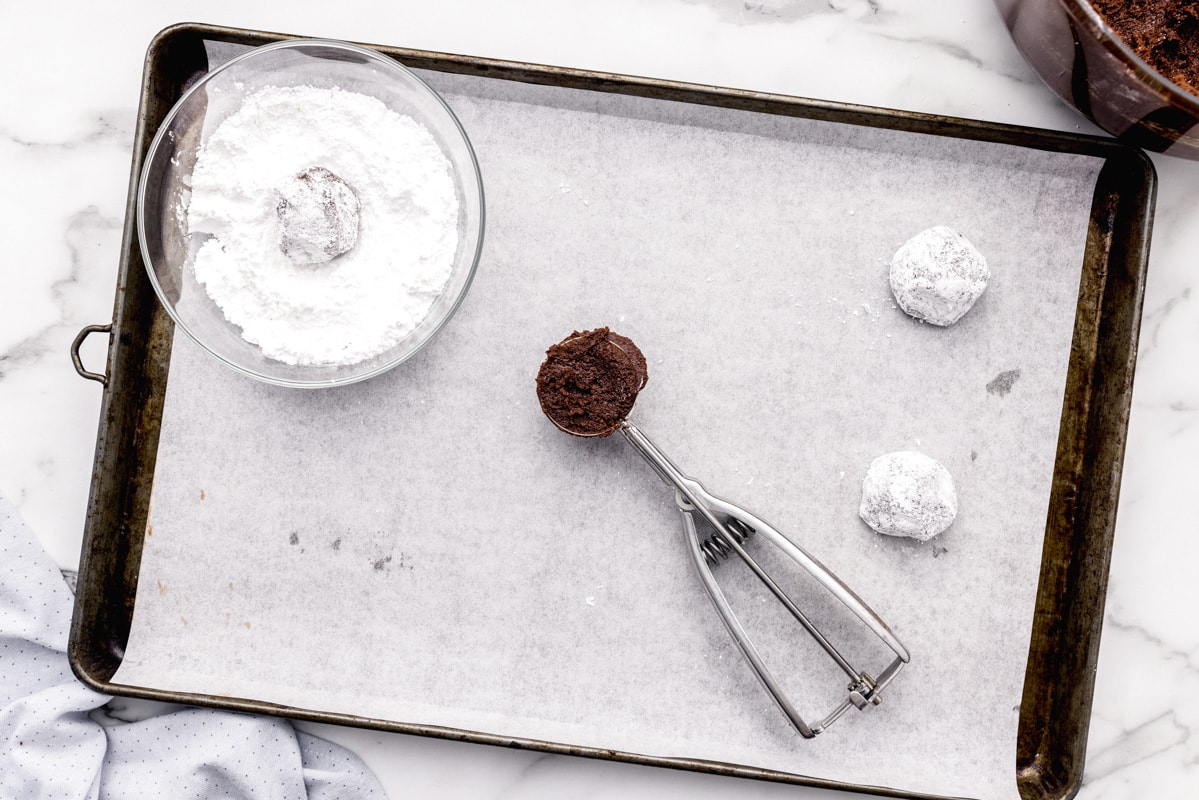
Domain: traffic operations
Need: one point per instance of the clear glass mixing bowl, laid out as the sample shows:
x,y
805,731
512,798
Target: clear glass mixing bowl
x,y
164,192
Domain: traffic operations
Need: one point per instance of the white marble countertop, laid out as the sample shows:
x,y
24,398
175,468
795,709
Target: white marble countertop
x,y
71,77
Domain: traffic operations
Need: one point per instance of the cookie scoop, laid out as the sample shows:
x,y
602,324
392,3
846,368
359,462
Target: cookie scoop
x,y
587,386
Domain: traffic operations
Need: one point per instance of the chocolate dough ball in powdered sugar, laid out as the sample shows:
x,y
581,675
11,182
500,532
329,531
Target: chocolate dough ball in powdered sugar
x,y
937,275
318,216
908,494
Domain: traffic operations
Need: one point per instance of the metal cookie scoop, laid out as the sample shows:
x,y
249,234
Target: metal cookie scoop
x,y
587,386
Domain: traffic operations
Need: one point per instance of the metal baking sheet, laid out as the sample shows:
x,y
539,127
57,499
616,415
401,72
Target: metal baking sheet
x,y
1097,349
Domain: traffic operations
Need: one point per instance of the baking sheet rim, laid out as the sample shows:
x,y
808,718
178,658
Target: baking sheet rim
x,y
1042,773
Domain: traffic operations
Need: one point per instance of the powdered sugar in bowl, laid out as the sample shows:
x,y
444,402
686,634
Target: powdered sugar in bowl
x,y
311,213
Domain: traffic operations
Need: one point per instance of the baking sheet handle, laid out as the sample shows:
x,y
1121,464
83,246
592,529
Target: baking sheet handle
x,y
77,360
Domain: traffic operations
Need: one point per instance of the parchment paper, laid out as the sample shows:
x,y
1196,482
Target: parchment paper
x,y
426,547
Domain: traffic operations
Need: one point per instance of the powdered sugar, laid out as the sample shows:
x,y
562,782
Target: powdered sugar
x,y
361,302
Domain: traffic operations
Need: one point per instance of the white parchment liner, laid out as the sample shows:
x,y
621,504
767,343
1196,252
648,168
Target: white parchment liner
x,y
426,547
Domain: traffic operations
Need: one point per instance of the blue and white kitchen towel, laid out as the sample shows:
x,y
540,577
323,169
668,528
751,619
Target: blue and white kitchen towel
x,y
58,743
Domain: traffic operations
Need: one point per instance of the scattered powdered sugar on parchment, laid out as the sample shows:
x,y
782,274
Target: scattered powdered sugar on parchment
x,y
363,301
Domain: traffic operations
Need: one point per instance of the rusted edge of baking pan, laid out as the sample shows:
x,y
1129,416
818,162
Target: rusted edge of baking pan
x,y
1060,677
1059,680
139,349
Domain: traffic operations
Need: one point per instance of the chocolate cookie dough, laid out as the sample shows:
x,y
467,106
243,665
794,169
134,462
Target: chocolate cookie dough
x,y
589,382
1164,33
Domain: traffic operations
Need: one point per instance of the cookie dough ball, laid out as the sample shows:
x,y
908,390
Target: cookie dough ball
x,y
318,216
590,380
908,494
937,275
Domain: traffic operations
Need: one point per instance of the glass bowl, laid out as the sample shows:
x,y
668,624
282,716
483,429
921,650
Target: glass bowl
x,y
169,249
1078,56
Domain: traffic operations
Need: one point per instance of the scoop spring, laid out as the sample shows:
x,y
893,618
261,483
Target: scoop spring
x,y
714,547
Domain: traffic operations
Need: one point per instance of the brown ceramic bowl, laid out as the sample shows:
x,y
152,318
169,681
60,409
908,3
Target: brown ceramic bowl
x,y
1082,60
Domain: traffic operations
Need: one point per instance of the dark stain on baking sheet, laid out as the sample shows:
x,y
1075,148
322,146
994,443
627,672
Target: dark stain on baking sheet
x,y
1002,383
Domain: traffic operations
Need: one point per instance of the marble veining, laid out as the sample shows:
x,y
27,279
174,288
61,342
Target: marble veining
x,y
1152,320
105,129
66,127
1139,744
784,11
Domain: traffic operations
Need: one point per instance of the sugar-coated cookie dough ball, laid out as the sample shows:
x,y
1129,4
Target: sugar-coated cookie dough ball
x,y
937,275
318,216
908,494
